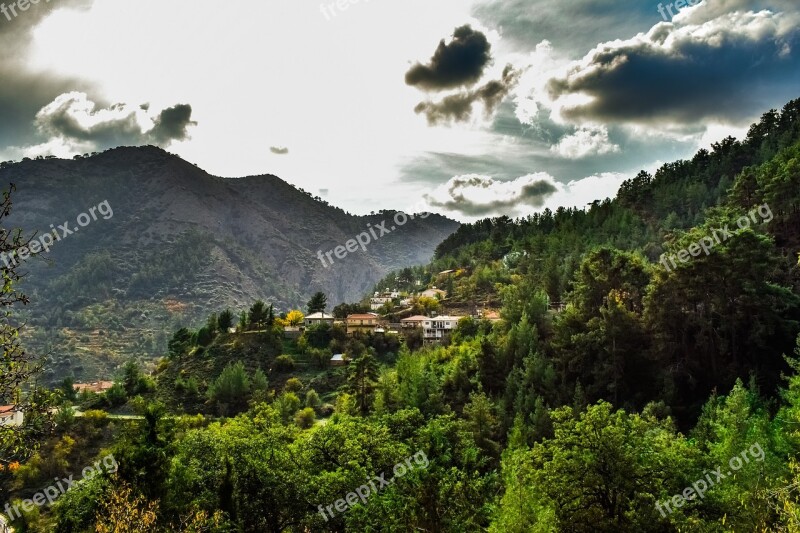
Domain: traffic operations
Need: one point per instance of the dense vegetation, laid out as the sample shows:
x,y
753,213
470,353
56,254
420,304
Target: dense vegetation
x,y
663,397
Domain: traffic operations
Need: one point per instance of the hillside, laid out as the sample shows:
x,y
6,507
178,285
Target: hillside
x,y
625,311
169,243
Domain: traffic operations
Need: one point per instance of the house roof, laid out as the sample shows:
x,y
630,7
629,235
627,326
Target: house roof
x,y
7,409
320,316
97,386
445,317
433,291
416,318
361,316
338,357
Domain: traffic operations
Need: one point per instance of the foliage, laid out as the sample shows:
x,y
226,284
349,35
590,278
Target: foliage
x,y
231,389
317,304
284,363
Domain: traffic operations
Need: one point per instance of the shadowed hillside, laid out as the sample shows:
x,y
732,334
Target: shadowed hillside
x,y
179,244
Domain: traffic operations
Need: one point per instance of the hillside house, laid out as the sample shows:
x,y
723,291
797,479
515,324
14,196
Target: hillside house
x,y
413,322
96,387
491,316
439,328
362,323
319,318
10,416
379,299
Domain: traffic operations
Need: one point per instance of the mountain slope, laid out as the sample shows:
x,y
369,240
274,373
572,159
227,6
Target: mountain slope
x,y
180,244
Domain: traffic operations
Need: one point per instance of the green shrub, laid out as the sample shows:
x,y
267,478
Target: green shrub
x,y
293,385
96,417
305,418
284,363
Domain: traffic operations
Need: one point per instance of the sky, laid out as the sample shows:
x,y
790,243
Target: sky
x,y
469,108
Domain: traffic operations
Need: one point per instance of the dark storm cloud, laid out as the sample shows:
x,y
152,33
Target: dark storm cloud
x,y
279,150
22,91
172,124
456,64
458,107
729,68
73,119
40,107
495,196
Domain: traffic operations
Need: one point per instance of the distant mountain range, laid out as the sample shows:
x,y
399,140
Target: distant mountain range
x,y
168,243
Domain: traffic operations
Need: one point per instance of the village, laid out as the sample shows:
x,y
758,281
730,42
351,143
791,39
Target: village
x,y
383,319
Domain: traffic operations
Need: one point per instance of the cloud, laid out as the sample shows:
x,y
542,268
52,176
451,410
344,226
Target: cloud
x,y
573,26
586,141
724,66
279,150
457,64
23,90
580,193
172,124
73,123
46,113
458,107
474,195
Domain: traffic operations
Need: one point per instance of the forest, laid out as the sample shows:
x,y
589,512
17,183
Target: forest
x,y
615,393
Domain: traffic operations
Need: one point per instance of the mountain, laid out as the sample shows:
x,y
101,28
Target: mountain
x,y
168,243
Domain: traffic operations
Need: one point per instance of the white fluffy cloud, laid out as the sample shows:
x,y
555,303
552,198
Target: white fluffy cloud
x,y
474,196
586,141
73,123
477,196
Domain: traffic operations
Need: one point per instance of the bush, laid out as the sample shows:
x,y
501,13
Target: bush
x,y
205,336
293,385
318,336
312,399
284,363
288,404
116,395
65,417
96,417
231,389
305,418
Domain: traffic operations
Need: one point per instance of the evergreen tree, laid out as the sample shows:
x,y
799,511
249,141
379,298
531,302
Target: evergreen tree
x,y
317,303
225,321
258,316
180,344
362,378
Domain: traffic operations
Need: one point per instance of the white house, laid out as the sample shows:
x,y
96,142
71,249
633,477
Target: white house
x,y
439,328
413,321
319,318
10,416
378,299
